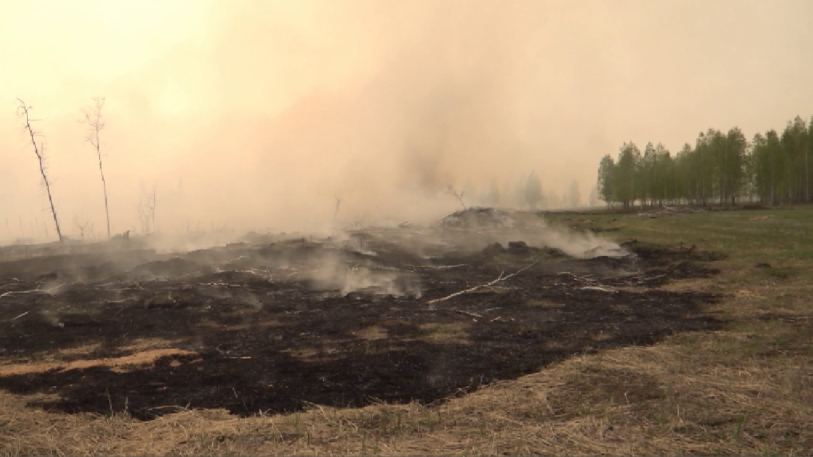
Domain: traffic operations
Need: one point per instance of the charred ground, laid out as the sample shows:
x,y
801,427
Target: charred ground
x,y
273,326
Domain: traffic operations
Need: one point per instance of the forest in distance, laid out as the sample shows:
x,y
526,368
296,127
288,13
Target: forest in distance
x,y
722,168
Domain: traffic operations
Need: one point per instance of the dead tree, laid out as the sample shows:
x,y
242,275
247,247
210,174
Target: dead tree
x,y
39,150
146,212
93,119
84,227
152,207
336,211
458,196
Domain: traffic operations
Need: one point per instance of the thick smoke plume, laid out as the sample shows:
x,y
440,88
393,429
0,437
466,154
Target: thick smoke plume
x,y
258,115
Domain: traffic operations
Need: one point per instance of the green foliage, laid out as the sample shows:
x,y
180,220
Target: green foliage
x,y
627,174
721,168
604,187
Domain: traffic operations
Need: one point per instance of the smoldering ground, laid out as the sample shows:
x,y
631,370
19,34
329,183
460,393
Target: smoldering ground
x,y
365,317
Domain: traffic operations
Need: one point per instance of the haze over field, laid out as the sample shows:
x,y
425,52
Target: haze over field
x,y
259,114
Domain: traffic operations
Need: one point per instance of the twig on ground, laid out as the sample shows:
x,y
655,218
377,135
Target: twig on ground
x,y
499,279
33,291
468,313
448,267
18,316
600,289
576,277
651,278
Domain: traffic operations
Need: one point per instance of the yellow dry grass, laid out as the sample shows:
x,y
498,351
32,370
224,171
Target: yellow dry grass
x,y
689,395
118,364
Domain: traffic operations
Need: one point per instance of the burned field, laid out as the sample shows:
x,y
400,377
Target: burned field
x,y
389,314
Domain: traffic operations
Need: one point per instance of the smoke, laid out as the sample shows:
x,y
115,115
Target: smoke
x,y
257,115
336,273
433,108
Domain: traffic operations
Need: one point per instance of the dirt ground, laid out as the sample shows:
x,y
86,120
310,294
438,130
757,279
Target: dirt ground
x,y
267,326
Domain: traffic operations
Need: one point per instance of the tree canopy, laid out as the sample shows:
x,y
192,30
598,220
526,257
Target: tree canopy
x,y
721,168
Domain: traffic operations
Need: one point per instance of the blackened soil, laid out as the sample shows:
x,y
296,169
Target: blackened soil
x,y
274,327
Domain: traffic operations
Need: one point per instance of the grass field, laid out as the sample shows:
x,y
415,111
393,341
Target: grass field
x,y
744,390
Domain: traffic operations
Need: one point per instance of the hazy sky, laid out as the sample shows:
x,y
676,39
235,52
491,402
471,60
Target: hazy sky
x,y
260,113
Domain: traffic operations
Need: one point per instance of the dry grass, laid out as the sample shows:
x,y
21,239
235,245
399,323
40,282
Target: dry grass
x,y
746,390
117,364
455,333
690,395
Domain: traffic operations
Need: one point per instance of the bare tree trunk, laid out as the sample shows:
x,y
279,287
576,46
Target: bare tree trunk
x,y
93,118
104,190
23,111
807,176
152,208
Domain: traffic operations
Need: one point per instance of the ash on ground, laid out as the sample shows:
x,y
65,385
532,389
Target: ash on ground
x,y
391,314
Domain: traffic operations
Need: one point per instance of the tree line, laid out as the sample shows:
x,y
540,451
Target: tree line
x,y
525,192
721,168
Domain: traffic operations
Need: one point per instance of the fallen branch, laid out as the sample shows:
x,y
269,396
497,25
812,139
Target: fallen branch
x,y
499,279
576,277
18,316
33,291
600,289
263,274
652,278
468,313
447,267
